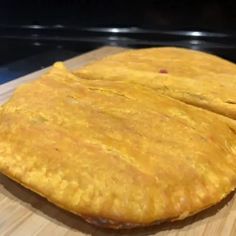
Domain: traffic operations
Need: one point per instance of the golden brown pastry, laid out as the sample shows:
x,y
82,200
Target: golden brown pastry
x,y
119,156
193,77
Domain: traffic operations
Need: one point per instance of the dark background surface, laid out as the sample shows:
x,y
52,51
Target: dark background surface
x,y
172,14
34,34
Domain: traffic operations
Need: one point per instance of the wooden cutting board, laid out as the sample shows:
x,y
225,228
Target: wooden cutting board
x,y
23,212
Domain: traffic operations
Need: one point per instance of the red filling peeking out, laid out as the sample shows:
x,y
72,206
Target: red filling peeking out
x,y
163,71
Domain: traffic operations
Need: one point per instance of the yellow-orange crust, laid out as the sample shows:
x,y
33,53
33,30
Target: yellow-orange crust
x,y
193,77
118,155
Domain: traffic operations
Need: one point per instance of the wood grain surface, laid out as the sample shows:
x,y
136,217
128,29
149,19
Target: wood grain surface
x,y
23,212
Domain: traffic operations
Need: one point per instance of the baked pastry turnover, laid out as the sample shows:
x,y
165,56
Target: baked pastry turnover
x,y
190,76
115,152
